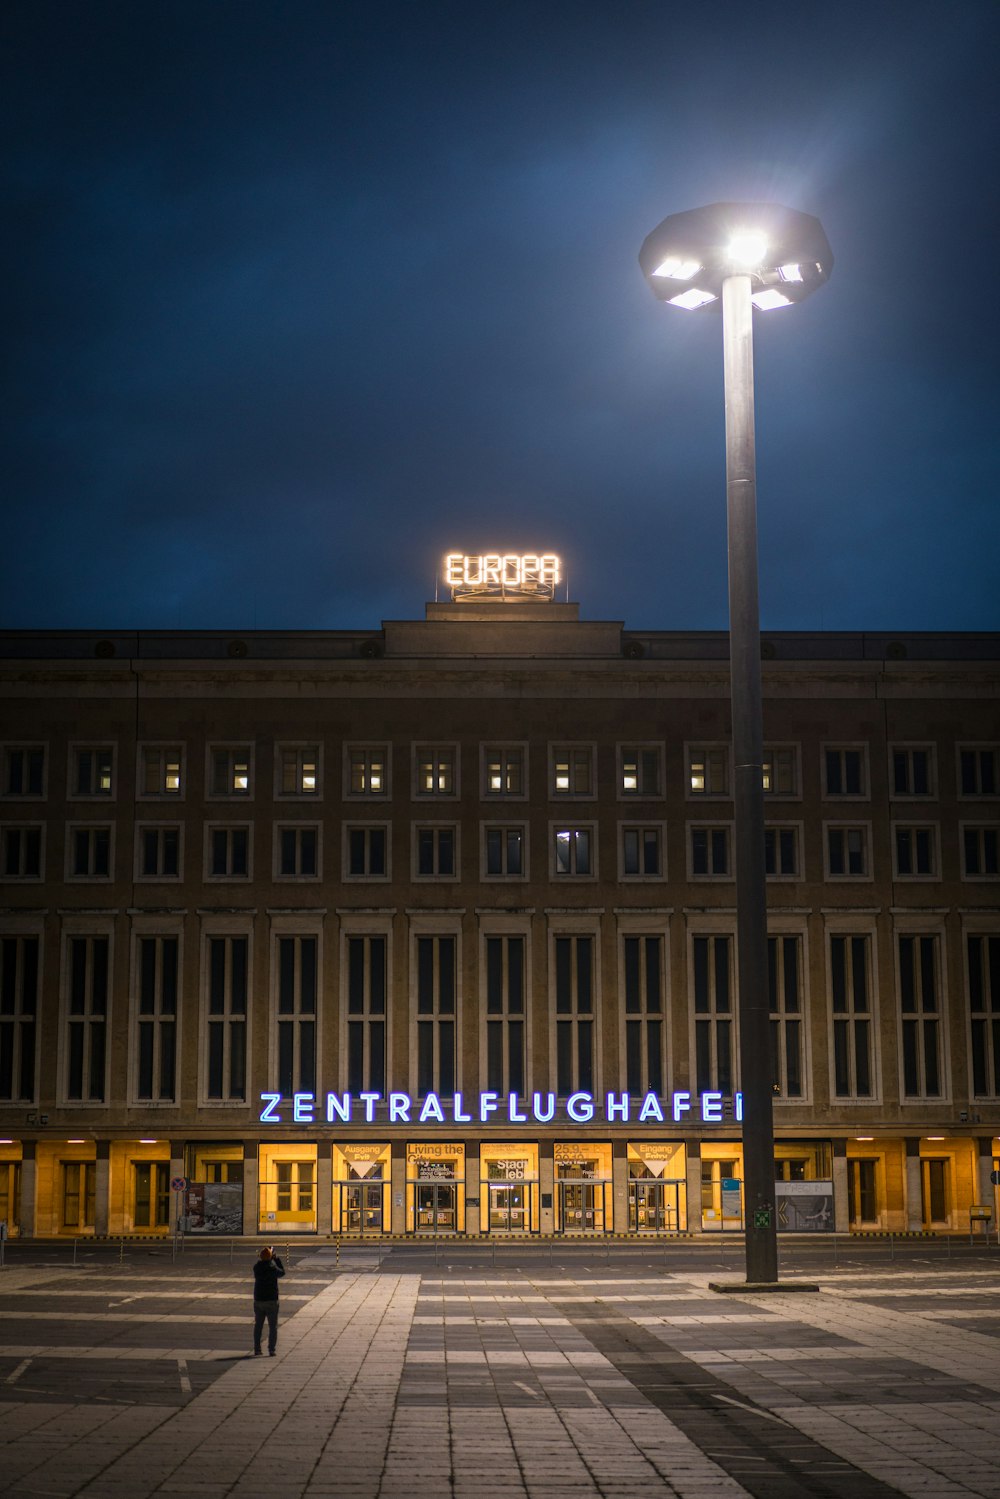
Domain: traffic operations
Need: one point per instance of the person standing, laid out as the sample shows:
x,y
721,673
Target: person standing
x,y
266,1273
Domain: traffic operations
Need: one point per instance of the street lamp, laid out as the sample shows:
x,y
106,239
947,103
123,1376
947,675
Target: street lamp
x,y
744,255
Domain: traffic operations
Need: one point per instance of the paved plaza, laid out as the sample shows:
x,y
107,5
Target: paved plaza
x,y
557,1371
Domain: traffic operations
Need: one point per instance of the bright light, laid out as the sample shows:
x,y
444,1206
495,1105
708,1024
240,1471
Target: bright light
x,y
692,299
748,247
766,300
790,272
149,1142
677,269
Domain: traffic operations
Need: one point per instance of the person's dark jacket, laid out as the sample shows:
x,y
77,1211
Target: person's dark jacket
x,y
266,1274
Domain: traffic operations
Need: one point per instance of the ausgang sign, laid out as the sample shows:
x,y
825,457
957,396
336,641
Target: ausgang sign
x,y
531,574
500,1108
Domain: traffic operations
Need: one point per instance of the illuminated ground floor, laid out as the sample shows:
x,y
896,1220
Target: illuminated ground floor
x,y
588,1184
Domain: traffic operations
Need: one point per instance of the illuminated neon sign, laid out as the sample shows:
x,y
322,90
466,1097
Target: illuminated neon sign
x,y
496,1108
534,574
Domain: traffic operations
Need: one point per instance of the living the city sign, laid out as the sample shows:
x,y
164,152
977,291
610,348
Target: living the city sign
x,y
501,1108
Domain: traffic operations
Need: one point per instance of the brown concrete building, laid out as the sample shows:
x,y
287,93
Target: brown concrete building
x,y
431,928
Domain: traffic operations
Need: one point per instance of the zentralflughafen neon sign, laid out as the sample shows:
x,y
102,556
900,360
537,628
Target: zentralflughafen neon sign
x,y
498,1108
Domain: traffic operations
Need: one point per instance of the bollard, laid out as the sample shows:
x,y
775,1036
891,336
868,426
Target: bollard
x,y
121,1250
74,1251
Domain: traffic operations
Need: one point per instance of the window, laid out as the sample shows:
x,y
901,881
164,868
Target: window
x,y
297,851
437,770
87,1018
847,851
18,1017
642,958
23,770
784,979
367,852
436,993
89,851
505,851
366,1019
505,1015
156,1019
916,851
575,1038
708,770
161,770
781,770
983,977
980,851
709,851
435,849
572,851
367,770
920,1007
850,990
714,1036
912,770
297,991
978,766
79,1193
298,770
159,852
572,770
504,770
845,770
21,851
781,851
642,852
641,770
226,1050
228,852
92,770
231,769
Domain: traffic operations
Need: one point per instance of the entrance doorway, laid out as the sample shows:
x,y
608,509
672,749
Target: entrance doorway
x,y
581,1206
934,1191
152,1194
509,1209
362,1208
436,1208
653,1206
79,1194
721,1195
10,1195
862,1192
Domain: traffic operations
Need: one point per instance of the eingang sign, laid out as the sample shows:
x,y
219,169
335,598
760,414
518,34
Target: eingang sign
x,y
495,1108
503,574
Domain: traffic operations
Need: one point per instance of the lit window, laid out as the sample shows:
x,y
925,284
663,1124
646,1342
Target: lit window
x,y
572,770
93,770
161,770
230,770
640,770
572,849
708,770
781,770
368,774
299,769
504,766
436,770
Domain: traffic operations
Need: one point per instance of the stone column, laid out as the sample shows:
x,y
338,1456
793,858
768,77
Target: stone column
x,y
693,1154
546,1189
102,1190
29,1190
988,1193
475,1215
250,1187
912,1186
324,1188
619,1187
841,1196
397,1172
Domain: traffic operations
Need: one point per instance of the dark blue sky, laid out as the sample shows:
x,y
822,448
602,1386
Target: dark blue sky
x,y
300,296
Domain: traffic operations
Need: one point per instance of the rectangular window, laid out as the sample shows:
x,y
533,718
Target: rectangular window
x,y
781,770
575,1007
505,1015
980,852
781,851
846,852
18,1017
912,770
504,772
89,852
710,852
159,852
297,986
298,770
644,1013
21,851
366,1014
708,770
161,770
845,771
437,766
228,986
915,850
229,853
505,851
642,853
850,990
436,1004
156,1014
93,770
784,978
572,851
920,1006
231,770
641,774
715,1060
87,1018
983,977
978,767
435,852
367,852
23,770
572,770
298,852
367,770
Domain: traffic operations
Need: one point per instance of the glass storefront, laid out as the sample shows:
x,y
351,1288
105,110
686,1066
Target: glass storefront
x,y
509,1189
213,1201
722,1187
435,1188
583,1188
361,1189
10,1194
286,1191
657,1187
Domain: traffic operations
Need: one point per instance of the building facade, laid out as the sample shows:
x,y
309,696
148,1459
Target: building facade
x,y
431,929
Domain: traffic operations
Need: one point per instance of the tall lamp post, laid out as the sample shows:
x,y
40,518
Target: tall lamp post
x,y
744,255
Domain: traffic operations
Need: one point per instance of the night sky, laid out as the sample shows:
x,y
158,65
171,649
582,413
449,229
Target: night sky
x,y
300,296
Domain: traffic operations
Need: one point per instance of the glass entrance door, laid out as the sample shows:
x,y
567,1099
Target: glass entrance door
x,y
509,1212
862,1192
580,1207
653,1207
934,1181
152,1194
435,1208
79,1191
362,1208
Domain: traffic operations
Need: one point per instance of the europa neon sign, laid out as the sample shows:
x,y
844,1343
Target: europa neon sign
x,y
533,573
501,1108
